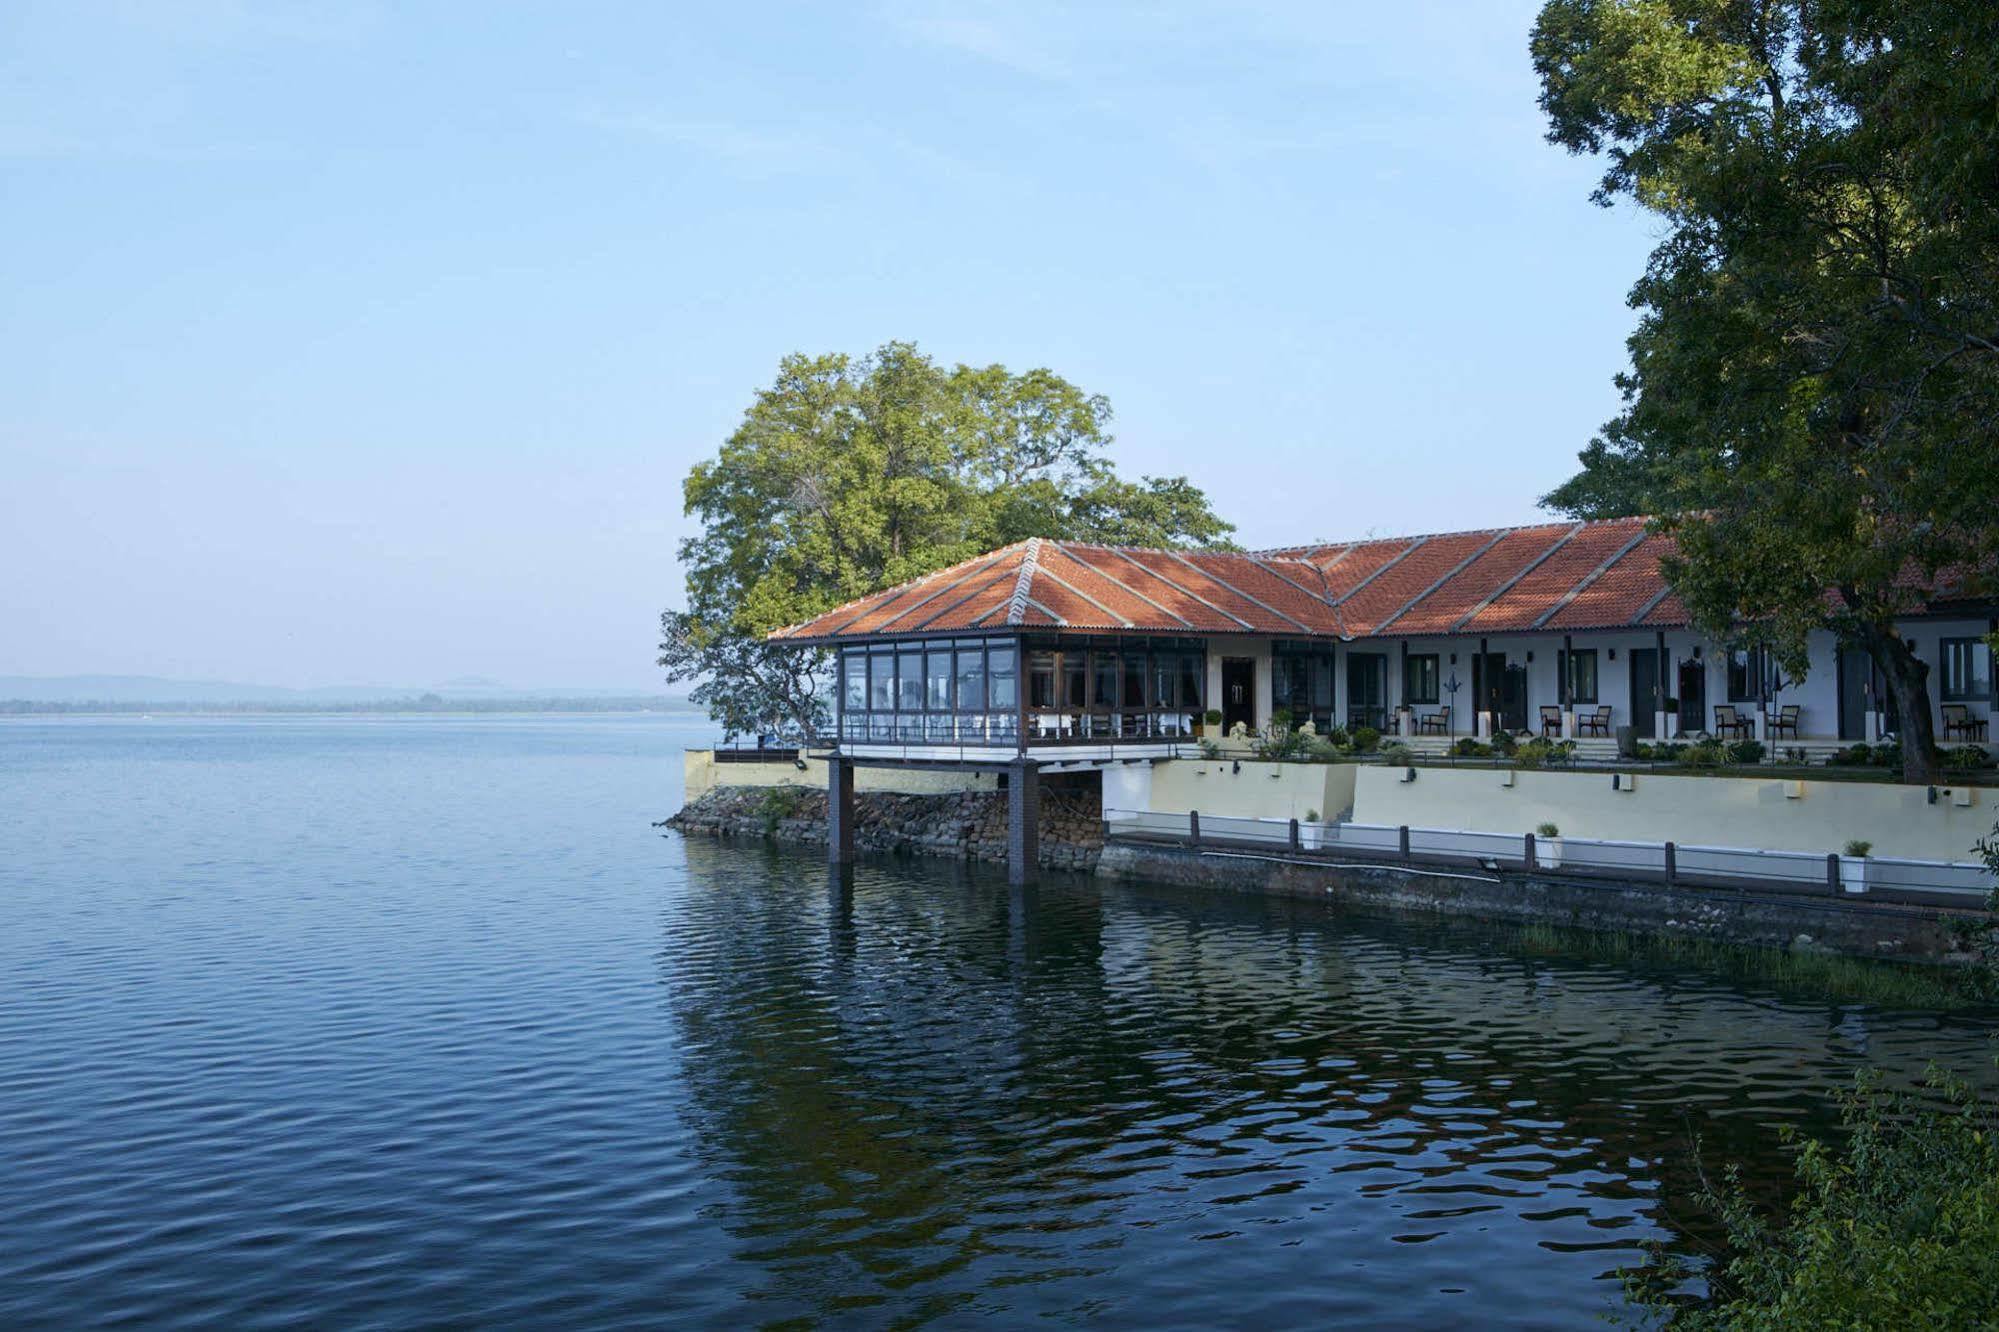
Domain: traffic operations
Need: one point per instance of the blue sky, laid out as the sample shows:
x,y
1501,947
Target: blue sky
x,y
350,344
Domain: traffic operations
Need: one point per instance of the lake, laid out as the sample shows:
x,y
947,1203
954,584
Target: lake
x,y
419,1021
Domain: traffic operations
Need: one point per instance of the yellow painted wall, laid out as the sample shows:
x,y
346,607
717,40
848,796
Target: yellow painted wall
x,y
1694,811
1258,790
702,774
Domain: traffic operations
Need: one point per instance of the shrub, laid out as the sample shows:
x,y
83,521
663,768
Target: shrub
x,y
1365,738
1708,753
1338,737
1318,749
1859,847
1641,750
1470,748
1853,756
1966,758
1209,748
1895,1227
1504,743
779,803
1746,751
1540,751
1796,754
1887,755
1397,752
1548,830
1311,816
1212,717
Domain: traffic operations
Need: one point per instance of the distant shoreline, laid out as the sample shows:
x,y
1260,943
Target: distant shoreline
x,y
379,707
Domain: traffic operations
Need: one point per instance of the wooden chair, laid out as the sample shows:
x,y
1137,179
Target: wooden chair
x,y
1786,721
1726,722
1551,719
1959,724
1438,722
1597,723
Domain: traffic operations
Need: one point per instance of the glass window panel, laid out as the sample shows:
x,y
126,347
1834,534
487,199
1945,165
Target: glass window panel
x,y
1002,678
937,670
1162,681
854,691
1967,670
971,679
1041,680
1075,679
1104,690
1134,680
881,682
909,681
1419,678
1191,671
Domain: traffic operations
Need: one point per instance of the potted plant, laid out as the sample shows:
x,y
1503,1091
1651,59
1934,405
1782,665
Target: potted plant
x,y
1311,832
1548,846
1853,865
1212,718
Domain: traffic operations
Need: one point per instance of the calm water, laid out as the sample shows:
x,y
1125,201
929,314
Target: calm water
x,y
360,1021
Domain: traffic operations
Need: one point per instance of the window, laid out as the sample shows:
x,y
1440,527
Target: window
x,y
1104,672
1162,680
881,681
1577,670
909,680
972,679
1191,680
937,671
854,682
1967,670
1134,680
1747,674
1002,678
1419,678
1041,680
1075,678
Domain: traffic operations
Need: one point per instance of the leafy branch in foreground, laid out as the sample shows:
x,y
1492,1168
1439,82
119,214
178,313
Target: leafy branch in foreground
x,y
1898,1227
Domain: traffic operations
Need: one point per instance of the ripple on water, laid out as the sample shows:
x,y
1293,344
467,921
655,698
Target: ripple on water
x,y
343,1022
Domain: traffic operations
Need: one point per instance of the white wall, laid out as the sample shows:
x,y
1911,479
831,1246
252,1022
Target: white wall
x,y
702,773
1695,811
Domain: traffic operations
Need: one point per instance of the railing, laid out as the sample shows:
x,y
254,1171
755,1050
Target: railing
x,y
1935,882
1111,749
755,753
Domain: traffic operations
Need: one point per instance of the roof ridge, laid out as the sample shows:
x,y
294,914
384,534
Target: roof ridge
x,y
1016,606
1283,552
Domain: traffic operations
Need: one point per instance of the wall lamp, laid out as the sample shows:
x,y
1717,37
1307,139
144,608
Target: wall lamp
x,y
1613,654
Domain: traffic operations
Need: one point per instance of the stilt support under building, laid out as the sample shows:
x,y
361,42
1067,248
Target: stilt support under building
x,y
1023,820
839,811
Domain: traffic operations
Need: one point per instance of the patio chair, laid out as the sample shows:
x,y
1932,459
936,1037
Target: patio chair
x,y
1727,722
1959,724
1786,721
1551,719
1434,723
1596,723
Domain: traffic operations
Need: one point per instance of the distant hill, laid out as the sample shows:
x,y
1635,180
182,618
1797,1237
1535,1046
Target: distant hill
x,y
117,692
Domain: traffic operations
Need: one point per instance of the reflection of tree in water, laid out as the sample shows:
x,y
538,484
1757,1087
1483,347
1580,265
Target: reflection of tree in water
x,y
926,1087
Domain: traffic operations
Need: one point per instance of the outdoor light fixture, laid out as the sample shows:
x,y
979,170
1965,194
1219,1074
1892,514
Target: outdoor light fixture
x,y
1530,658
1613,654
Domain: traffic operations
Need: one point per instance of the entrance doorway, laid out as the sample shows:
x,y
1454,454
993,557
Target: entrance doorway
x,y
1499,688
1367,690
1693,697
1238,692
1645,692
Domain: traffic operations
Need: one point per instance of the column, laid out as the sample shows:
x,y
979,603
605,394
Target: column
x,y
839,811
1023,820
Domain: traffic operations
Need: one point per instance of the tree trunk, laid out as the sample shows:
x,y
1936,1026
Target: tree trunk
x,y
1909,677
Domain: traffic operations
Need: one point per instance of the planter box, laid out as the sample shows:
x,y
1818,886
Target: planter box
x,y
1853,873
1548,852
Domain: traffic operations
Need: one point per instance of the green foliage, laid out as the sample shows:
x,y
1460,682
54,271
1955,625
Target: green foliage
x,y
1859,847
778,804
1543,752
1280,740
1966,758
1815,374
1746,751
1397,752
1365,738
1212,717
1338,738
1706,753
1547,830
1210,749
1895,1227
846,476
1467,747
1505,743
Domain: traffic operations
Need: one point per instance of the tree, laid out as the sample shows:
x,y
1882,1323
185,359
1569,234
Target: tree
x,y
848,476
1813,405
1898,1227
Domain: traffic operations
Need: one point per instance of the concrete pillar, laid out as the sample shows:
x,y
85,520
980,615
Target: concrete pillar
x,y
1023,820
839,811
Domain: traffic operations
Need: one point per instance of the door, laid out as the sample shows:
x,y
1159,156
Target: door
x,y
1693,696
1645,692
1238,692
1367,689
1856,669
1493,688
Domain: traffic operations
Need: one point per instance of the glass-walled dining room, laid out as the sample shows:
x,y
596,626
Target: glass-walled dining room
x,y
969,691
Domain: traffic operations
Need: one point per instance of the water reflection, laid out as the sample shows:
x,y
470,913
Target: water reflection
x,y
934,1094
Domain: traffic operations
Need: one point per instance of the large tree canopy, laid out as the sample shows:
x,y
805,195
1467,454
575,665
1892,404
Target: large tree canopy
x,y
1813,403
847,476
